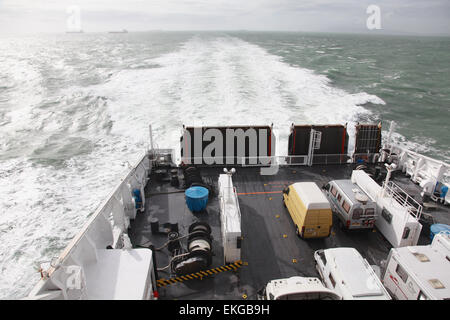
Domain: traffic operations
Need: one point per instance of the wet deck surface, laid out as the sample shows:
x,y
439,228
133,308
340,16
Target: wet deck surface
x,y
270,246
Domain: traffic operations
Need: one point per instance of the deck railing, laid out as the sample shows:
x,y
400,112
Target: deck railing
x,y
404,199
286,160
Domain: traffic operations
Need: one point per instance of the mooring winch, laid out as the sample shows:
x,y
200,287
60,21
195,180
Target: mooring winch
x,y
199,250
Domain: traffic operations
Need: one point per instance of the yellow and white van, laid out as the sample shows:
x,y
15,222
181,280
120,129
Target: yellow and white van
x,y
309,209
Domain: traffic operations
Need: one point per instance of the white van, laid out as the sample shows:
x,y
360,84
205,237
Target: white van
x,y
297,288
352,206
346,272
420,272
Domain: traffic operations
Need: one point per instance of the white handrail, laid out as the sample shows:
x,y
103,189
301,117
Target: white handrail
x,y
338,158
404,199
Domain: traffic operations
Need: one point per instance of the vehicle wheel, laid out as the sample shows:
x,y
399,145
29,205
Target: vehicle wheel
x,y
284,203
341,225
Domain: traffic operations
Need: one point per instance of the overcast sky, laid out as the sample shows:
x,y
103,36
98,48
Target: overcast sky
x,y
397,16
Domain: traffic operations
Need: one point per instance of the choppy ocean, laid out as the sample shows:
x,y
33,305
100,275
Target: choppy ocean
x,y
74,108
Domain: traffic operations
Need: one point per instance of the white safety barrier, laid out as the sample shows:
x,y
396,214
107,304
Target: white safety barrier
x,y
230,216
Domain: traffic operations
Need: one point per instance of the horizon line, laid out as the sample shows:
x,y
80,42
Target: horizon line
x,y
369,32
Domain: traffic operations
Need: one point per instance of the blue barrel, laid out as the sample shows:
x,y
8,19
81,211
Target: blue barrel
x,y
438,227
137,198
196,198
444,191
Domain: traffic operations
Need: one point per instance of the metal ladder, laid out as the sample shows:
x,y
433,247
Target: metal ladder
x,y
315,138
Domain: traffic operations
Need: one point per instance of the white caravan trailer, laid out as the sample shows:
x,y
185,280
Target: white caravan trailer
x,y
345,271
297,288
420,272
398,213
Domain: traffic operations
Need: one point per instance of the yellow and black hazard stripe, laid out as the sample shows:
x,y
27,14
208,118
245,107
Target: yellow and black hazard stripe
x,y
200,275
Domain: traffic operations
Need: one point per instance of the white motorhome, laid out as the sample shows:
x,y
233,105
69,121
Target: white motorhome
x,y
346,272
297,288
420,272
351,205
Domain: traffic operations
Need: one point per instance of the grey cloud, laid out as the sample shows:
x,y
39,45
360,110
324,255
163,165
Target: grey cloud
x,y
430,17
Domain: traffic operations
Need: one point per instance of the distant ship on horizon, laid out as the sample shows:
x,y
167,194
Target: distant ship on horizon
x,y
75,31
122,31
